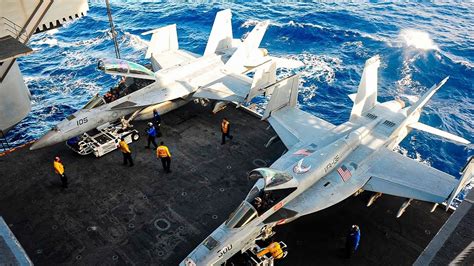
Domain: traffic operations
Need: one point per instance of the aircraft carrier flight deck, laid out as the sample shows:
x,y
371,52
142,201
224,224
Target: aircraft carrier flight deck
x,y
115,215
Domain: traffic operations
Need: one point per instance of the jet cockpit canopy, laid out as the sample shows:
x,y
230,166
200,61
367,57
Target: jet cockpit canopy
x,y
273,179
124,68
243,215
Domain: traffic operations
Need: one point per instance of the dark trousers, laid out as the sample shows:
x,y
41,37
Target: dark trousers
x,y
63,180
166,162
224,135
127,157
350,249
151,139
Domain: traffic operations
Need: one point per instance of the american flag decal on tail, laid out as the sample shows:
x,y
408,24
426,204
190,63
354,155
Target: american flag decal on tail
x,y
344,172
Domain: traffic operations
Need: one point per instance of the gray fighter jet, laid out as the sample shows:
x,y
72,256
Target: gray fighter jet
x,y
325,164
220,74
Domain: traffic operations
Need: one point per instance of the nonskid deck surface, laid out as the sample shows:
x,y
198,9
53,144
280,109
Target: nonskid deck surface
x,y
114,214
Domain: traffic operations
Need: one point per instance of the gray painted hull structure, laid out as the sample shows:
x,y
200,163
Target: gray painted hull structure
x,y
20,19
326,164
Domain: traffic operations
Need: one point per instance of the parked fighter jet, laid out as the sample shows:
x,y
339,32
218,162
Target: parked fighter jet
x,y
180,76
325,164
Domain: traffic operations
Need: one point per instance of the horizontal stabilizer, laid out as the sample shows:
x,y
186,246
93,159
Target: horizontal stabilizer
x,y
466,177
438,132
366,97
426,97
221,33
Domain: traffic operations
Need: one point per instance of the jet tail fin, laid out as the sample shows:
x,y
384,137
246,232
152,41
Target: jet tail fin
x,y
426,97
466,177
248,50
284,94
438,132
163,39
221,33
366,97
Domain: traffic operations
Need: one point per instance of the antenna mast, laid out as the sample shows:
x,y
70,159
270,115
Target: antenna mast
x,y
112,30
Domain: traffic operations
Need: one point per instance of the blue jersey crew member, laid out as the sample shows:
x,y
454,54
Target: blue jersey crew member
x,y
151,131
352,241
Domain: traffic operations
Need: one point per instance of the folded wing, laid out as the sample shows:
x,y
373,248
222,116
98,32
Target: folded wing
x,y
163,48
290,123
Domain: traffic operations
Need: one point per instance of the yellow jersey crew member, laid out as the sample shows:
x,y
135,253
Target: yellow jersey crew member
x,y
225,129
275,249
163,153
59,169
127,154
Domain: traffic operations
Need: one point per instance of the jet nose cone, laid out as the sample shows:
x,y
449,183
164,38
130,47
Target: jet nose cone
x,y
44,141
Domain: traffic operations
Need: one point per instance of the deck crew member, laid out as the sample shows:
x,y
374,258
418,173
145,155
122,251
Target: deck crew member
x,y
225,129
352,241
275,249
157,122
163,153
127,154
151,131
59,169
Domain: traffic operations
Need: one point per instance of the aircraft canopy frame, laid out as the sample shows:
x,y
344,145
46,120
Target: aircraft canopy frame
x,y
273,179
243,215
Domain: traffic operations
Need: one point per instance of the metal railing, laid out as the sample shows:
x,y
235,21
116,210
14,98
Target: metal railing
x,y
15,30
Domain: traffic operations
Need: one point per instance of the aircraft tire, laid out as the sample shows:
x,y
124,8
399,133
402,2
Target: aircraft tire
x,y
135,136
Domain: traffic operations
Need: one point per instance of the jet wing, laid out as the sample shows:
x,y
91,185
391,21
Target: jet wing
x,y
170,59
231,87
293,125
394,174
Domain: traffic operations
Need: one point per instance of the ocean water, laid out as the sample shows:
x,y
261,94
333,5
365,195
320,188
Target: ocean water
x,y
419,45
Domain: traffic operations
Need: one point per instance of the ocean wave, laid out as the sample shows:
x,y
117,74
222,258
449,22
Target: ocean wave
x,y
45,41
319,67
417,39
135,41
252,22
